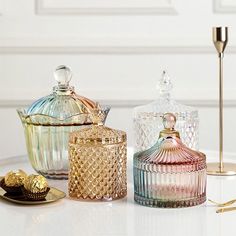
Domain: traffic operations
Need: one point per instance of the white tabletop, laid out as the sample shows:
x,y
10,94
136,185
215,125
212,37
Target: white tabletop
x,y
120,217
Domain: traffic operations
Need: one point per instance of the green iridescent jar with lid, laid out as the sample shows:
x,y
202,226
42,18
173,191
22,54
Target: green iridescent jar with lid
x,y
49,121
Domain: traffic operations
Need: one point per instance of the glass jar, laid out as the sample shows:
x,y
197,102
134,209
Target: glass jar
x,y
97,157
48,122
148,121
169,174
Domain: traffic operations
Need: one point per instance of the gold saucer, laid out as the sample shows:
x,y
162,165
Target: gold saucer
x,y
227,170
52,196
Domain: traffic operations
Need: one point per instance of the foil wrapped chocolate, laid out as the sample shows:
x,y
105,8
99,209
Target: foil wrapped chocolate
x,y
36,184
15,179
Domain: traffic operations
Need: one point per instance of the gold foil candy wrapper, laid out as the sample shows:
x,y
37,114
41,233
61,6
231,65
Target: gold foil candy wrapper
x,y
36,184
15,179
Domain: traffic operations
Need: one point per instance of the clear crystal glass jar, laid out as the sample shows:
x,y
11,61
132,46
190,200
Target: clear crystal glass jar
x,y
48,122
148,121
98,157
169,174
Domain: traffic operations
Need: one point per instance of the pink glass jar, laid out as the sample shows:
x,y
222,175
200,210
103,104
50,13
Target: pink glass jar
x,y
169,174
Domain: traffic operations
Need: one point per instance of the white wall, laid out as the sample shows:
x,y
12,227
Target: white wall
x,y
117,50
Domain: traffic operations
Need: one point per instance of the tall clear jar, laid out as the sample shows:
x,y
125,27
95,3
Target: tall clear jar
x,y
49,121
148,119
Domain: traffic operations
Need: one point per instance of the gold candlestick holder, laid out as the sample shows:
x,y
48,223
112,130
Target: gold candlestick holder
x,y
220,39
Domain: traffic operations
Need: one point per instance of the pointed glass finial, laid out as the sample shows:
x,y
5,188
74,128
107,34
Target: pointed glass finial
x,y
164,85
63,76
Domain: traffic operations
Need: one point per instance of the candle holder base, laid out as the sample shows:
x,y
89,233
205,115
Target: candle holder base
x,y
228,169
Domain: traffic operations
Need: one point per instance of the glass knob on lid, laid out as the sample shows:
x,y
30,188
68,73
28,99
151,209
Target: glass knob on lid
x,y
63,76
169,121
98,116
164,85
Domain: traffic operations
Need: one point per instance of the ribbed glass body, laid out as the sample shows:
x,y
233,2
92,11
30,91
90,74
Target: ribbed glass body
x,y
148,121
97,157
47,148
169,174
48,122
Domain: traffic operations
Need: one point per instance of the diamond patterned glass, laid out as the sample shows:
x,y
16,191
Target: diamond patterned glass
x,y
97,157
148,121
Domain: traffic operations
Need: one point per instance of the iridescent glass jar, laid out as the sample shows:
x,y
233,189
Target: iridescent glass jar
x,y
48,122
98,157
169,174
148,121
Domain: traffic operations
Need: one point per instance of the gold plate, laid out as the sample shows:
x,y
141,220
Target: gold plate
x,y
52,196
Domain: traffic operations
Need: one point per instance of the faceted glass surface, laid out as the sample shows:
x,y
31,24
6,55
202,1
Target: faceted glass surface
x,y
169,174
98,173
98,158
148,121
148,125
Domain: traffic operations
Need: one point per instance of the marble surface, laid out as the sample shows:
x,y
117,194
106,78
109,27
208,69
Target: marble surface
x,y
120,217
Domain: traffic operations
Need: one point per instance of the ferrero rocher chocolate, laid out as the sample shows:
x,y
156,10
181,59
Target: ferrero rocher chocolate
x,y
36,184
15,179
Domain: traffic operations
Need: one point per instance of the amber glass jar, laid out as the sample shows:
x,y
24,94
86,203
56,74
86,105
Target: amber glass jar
x,y
97,163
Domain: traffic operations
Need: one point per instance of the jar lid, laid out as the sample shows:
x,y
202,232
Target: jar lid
x,y
63,105
165,103
97,133
63,102
169,150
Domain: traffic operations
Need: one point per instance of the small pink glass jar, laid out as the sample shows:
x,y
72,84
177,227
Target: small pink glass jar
x,y
169,174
